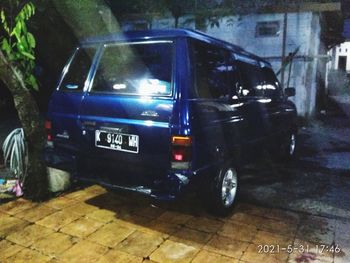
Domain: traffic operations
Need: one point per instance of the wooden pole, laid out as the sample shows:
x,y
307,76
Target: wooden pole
x,y
284,40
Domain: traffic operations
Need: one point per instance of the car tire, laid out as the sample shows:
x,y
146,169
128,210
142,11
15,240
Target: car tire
x,y
223,192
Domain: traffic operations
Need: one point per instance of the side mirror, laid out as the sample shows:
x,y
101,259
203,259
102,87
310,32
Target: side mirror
x,y
289,92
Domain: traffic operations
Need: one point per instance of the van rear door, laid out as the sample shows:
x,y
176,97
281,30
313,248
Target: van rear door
x,y
65,103
125,116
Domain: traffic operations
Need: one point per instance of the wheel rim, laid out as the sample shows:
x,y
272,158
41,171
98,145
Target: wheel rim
x,y
229,187
292,144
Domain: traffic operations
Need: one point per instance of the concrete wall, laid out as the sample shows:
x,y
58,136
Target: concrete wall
x,y
303,32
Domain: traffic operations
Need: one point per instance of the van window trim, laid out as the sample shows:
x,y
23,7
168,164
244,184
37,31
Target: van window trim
x,y
103,46
68,64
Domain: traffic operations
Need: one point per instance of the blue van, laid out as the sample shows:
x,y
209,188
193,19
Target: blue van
x,y
159,111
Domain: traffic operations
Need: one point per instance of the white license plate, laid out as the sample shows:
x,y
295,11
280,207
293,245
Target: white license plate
x,y
117,141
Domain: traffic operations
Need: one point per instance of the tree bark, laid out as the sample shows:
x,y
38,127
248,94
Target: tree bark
x,y
36,182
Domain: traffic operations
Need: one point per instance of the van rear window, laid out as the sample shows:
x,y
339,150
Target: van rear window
x,y
135,69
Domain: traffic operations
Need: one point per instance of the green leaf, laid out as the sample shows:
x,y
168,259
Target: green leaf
x,y
28,8
17,30
28,55
24,28
4,22
33,8
31,40
33,82
2,15
6,46
20,47
11,57
24,43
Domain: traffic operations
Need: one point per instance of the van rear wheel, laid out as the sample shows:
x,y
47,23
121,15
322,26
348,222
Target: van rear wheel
x,y
224,190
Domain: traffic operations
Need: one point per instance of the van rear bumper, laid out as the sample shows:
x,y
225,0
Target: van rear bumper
x,y
168,188
156,193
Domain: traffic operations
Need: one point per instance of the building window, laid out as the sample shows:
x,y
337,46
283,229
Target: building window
x,y
267,29
339,50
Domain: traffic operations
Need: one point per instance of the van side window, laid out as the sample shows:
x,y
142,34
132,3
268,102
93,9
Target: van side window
x,y
74,79
272,86
211,71
252,80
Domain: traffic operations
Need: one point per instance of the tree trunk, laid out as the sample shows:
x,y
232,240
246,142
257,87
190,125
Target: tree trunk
x,y
36,182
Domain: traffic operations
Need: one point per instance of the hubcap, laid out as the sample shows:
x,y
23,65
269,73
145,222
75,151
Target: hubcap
x,y
229,187
292,144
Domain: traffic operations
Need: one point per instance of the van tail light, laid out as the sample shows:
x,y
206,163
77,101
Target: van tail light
x,y
48,129
181,152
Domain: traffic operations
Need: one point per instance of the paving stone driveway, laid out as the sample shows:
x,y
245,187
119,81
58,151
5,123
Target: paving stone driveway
x,y
93,225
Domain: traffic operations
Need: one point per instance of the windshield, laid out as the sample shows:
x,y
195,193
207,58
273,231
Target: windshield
x,y
135,69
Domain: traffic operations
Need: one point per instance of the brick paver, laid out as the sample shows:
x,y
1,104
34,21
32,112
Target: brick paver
x,y
102,215
55,244
191,237
205,256
58,220
94,225
84,251
171,251
111,234
36,213
26,236
16,206
238,230
140,244
27,256
10,224
8,249
82,227
114,255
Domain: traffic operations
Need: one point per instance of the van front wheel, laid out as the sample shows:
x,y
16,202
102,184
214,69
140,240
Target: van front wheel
x,y
224,191
289,147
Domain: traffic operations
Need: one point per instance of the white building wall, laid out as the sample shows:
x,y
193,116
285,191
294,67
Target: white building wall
x,y
342,50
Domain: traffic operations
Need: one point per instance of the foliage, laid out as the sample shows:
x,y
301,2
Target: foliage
x,y
18,43
15,152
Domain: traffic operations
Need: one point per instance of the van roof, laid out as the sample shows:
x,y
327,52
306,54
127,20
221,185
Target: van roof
x,y
174,33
